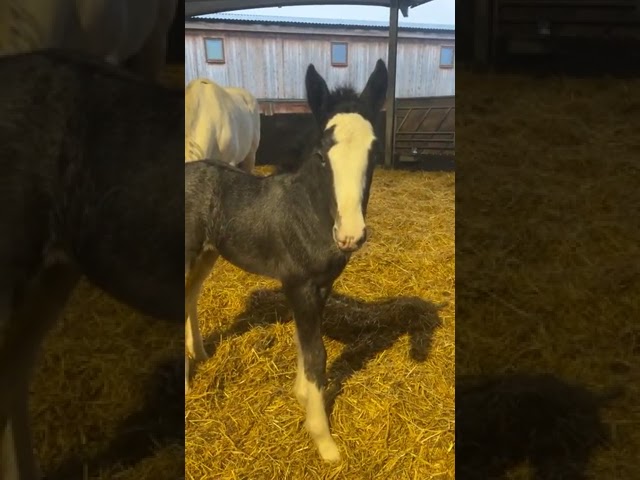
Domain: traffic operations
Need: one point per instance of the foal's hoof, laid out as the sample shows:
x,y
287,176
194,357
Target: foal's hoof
x,y
329,450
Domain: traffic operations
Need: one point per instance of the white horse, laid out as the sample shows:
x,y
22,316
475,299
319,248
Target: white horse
x,y
114,30
221,123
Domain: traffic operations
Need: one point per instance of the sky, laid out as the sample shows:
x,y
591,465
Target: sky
x,y
436,11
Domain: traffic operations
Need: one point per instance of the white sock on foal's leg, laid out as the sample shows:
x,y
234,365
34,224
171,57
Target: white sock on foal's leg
x,y
300,388
195,345
317,423
186,373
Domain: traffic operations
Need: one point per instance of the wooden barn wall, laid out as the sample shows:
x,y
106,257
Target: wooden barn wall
x,y
273,66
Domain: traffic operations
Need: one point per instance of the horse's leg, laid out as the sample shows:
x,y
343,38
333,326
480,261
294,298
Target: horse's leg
x,y
307,301
195,279
249,163
196,276
300,388
24,332
186,373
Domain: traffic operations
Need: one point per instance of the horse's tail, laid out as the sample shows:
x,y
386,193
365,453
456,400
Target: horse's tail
x,y
194,151
255,109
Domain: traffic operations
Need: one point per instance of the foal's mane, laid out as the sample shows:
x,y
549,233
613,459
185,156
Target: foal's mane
x,y
341,99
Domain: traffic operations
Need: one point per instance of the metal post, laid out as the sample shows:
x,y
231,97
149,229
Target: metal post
x,y
391,91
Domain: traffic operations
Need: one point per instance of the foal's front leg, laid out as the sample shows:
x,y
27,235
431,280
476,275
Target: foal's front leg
x,y
307,302
301,385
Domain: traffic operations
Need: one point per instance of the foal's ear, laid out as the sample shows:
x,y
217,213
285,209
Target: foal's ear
x,y
317,94
375,92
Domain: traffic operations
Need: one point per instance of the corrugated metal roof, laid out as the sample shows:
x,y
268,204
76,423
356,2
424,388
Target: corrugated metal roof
x,y
199,7
332,22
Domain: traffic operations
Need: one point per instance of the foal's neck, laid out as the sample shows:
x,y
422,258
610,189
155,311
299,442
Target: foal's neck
x,y
314,180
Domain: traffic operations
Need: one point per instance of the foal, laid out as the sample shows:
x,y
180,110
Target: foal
x,y
309,224
89,158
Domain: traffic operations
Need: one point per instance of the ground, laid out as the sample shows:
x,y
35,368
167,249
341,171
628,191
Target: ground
x,y
109,386
566,301
547,248
104,394
390,341
389,333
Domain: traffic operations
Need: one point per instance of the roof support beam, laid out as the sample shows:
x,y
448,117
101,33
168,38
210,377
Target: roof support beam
x,y
199,7
391,91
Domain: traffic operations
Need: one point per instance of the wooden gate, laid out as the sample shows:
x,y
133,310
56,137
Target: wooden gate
x,y
425,127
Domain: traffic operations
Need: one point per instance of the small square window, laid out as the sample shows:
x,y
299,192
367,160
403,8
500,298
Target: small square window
x,y
214,50
339,54
446,57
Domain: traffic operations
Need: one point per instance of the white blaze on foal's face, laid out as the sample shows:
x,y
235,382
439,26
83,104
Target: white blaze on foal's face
x,y
349,160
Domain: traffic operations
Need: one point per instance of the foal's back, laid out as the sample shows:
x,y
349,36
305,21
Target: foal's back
x,y
93,158
268,226
206,183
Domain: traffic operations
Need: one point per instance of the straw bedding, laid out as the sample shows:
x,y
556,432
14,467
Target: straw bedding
x,y
389,333
106,376
107,372
547,248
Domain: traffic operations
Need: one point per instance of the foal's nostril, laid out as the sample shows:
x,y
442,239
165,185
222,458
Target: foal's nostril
x,y
363,238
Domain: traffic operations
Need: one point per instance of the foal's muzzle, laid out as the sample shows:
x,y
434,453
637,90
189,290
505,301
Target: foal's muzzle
x,y
349,243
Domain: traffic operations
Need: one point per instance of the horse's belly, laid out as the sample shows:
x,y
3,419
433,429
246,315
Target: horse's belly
x,y
231,145
251,264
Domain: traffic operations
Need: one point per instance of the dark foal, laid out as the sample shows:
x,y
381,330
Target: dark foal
x,y
90,160
299,227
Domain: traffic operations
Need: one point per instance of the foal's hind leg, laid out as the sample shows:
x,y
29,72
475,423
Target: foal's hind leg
x,y
195,278
307,301
26,328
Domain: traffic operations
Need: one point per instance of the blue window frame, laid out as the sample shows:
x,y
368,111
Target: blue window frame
x,y
447,56
214,50
339,54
